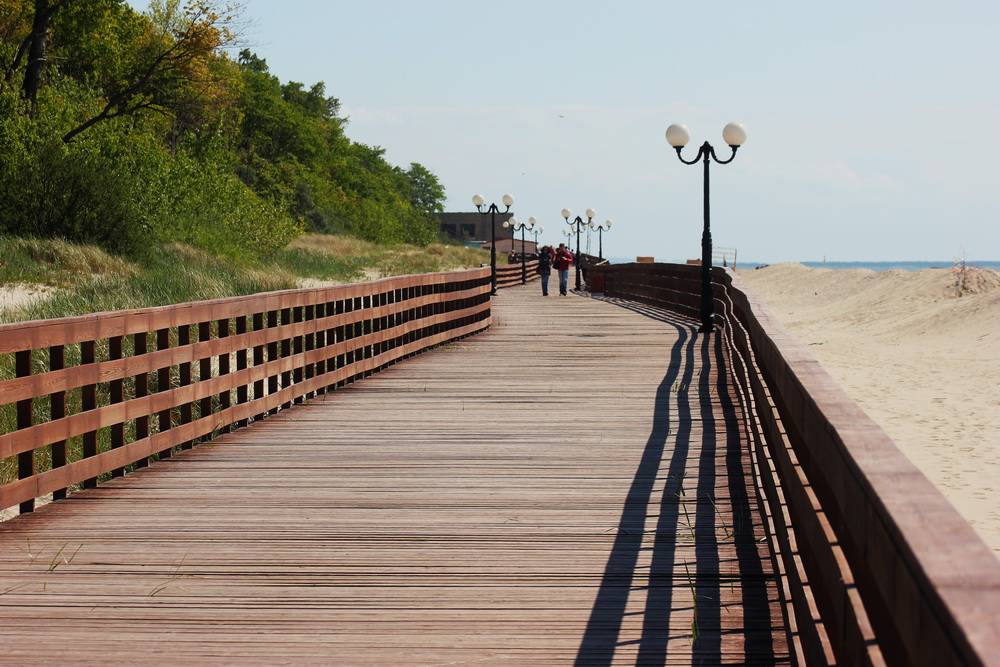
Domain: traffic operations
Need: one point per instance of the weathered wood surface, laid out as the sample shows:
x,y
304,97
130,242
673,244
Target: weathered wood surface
x,y
881,569
326,337
570,486
509,275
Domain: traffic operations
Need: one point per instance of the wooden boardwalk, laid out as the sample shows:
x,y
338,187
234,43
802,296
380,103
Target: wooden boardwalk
x,y
571,486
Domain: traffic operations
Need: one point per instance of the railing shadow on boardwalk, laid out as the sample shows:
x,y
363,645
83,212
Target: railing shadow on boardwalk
x,y
602,633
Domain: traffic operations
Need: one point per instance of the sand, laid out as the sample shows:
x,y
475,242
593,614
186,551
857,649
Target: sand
x,y
923,362
18,295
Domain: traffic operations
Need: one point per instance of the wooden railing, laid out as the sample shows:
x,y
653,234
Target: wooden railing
x,y
509,275
98,395
876,566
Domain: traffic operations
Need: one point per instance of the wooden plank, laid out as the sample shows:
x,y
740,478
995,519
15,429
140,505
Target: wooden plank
x,y
166,439
487,502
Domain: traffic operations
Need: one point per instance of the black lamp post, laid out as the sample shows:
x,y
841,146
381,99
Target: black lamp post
x,y
536,230
734,135
579,223
514,224
601,227
493,209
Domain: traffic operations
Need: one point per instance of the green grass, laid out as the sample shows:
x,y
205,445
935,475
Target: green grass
x,y
53,262
87,279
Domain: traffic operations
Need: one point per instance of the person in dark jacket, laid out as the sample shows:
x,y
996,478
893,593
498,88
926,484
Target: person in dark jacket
x,y
545,267
562,262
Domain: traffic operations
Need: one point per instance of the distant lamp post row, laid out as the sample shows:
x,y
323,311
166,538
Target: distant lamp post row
x,y
492,209
601,227
576,224
516,225
735,135
538,229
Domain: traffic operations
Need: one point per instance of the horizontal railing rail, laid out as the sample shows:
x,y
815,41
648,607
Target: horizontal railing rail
x,y
876,566
509,275
97,395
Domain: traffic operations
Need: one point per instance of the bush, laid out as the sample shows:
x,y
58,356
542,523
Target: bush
x,y
120,187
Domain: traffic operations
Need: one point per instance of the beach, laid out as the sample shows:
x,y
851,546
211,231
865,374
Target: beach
x,y
922,361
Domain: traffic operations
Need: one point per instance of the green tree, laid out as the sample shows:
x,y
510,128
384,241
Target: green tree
x,y
426,192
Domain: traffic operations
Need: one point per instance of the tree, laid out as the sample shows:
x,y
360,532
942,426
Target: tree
x,y
426,191
313,101
15,21
171,65
36,47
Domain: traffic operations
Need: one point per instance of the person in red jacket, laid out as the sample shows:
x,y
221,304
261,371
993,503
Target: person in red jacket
x,y
563,260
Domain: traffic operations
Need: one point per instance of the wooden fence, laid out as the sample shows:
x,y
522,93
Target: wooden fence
x,y
509,275
97,395
877,567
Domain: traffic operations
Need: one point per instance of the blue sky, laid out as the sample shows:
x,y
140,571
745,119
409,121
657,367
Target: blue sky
x,y
872,125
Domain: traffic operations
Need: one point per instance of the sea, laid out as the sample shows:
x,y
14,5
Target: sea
x,y
874,266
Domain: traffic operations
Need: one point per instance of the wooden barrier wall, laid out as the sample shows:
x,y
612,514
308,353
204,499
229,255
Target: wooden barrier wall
x,y
877,567
97,395
509,275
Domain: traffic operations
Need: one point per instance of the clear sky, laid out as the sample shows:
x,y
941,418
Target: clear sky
x,y
874,130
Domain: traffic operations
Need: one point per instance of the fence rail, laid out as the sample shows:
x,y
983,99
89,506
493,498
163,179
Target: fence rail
x,y
96,394
877,567
509,275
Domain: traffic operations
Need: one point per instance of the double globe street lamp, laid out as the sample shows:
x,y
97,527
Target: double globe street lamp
x,y
514,225
579,223
493,209
601,227
734,134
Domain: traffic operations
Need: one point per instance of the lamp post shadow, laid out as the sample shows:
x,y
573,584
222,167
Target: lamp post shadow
x,y
686,521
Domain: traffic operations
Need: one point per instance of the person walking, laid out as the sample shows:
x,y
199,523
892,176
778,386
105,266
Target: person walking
x,y
545,267
563,260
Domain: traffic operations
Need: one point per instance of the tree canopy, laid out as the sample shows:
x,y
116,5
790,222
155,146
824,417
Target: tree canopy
x,y
124,128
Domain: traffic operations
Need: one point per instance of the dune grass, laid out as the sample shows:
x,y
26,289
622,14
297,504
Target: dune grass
x,y
88,279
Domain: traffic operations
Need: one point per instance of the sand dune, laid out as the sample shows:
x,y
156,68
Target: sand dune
x,y
923,362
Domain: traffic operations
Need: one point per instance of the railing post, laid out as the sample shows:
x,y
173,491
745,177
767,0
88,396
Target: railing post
x,y
184,376
205,371
286,351
242,389
25,460
272,355
225,397
57,410
88,402
139,343
298,344
163,384
258,360
310,345
116,394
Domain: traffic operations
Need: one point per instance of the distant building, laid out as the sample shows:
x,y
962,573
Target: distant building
x,y
474,226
